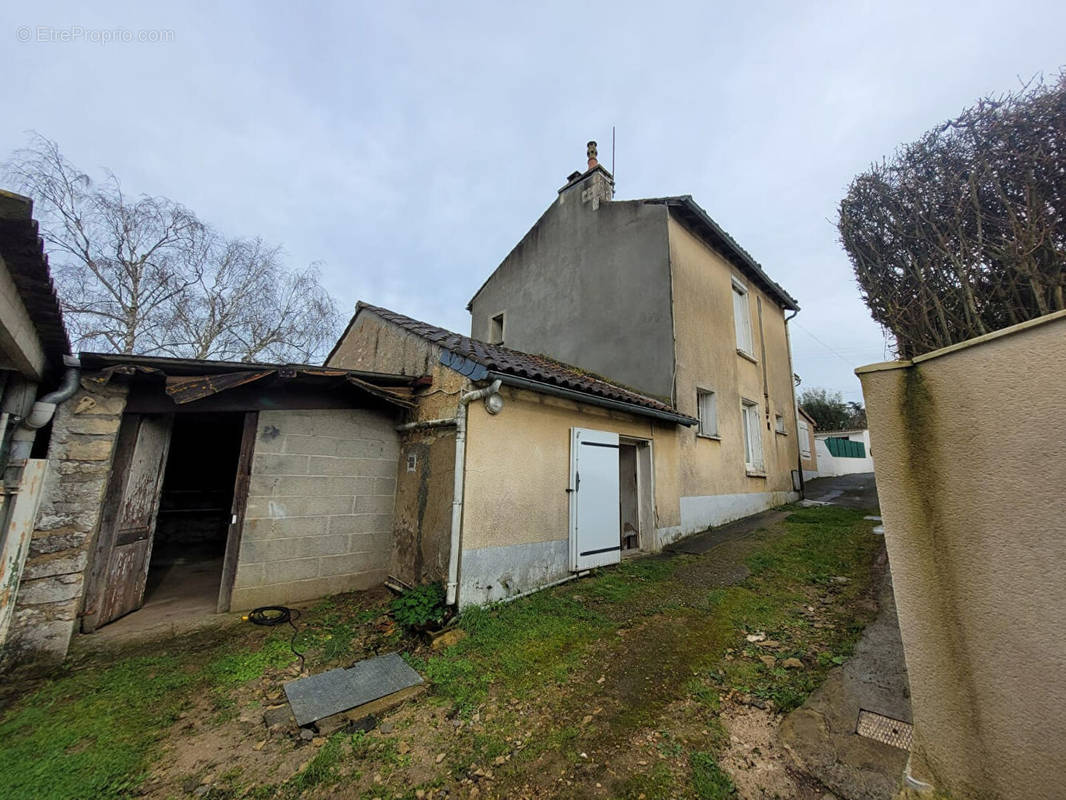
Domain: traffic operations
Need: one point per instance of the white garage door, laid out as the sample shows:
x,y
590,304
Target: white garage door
x,y
594,534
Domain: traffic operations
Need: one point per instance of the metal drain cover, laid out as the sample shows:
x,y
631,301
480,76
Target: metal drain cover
x,y
886,730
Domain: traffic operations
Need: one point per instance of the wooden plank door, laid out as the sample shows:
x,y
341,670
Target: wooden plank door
x,y
594,525
127,525
240,501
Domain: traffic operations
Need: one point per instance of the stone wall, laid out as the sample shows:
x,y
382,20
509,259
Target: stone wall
x,y
320,506
53,580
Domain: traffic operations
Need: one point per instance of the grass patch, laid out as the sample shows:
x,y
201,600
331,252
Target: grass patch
x,y
524,644
708,780
626,643
86,734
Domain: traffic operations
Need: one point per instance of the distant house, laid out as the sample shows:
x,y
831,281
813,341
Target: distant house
x,y
808,448
843,452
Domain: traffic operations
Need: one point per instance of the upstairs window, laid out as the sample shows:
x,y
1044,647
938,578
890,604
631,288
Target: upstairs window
x,y
779,423
708,412
753,461
496,329
742,318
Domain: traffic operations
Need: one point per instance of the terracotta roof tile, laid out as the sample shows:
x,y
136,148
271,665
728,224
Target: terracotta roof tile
x,y
498,358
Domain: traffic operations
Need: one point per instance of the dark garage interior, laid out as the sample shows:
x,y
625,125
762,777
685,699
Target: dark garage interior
x,y
194,511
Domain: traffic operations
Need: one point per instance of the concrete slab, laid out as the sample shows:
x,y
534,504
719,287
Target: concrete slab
x,y
338,690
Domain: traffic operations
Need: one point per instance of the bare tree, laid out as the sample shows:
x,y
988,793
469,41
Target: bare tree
x,y
963,232
145,275
246,306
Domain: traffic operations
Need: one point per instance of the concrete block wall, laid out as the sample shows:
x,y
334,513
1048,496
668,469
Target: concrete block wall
x,y
319,517
84,433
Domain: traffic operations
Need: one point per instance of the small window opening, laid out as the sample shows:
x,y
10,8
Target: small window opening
x,y
779,423
496,329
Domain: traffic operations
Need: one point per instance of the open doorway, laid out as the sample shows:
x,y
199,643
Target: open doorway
x,y
166,546
634,495
195,508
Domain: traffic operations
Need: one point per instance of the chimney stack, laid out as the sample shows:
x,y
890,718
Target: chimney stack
x,y
595,184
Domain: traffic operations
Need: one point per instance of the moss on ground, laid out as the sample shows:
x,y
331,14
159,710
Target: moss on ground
x,y
610,686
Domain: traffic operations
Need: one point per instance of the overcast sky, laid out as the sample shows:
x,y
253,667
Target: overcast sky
x,y
407,147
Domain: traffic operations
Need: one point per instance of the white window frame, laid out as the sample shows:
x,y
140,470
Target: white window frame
x,y
779,425
708,428
742,319
751,421
491,338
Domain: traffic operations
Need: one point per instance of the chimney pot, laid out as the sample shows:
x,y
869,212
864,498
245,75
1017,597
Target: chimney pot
x,y
592,155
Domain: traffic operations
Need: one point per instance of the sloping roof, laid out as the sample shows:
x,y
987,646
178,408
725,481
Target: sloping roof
x,y
187,380
23,252
536,368
700,222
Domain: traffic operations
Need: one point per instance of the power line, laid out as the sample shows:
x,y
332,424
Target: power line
x,y
823,344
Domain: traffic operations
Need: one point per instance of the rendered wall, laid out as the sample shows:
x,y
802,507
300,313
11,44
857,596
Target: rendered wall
x,y
516,511
590,287
715,487
971,476
320,506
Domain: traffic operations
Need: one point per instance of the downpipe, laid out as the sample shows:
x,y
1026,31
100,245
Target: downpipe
x,y
43,410
457,490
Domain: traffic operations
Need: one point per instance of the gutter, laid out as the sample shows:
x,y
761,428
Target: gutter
x,y
589,399
457,490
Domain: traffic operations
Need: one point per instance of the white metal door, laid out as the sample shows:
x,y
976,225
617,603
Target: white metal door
x,y
594,532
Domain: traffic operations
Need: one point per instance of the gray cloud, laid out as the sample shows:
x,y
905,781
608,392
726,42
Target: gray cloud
x,y
408,148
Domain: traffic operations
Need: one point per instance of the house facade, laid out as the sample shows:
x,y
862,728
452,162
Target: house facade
x,y
653,294
516,471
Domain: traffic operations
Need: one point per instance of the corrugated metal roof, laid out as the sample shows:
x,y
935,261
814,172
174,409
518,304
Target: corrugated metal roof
x,y
504,360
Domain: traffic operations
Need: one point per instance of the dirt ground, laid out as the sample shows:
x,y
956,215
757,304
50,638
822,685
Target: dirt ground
x,y
666,677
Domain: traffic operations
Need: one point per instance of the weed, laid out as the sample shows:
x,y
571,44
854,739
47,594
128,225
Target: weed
x,y
708,779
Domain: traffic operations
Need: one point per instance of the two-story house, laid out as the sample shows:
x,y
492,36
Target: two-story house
x,y
654,294
627,382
